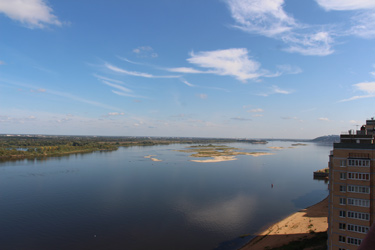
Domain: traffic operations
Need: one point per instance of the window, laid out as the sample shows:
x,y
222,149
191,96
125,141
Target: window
x,y
342,201
342,163
358,189
342,226
342,213
342,188
358,229
358,163
358,202
359,215
342,239
354,241
358,176
343,176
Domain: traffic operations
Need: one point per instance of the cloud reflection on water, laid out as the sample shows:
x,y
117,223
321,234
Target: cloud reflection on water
x,y
224,215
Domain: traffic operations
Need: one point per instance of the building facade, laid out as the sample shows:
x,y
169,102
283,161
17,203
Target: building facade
x,y
351,188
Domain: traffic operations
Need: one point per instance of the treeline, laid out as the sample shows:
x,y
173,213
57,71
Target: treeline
x,y
29,146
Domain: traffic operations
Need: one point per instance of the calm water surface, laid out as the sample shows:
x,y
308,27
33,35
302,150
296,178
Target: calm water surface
x,y
121,200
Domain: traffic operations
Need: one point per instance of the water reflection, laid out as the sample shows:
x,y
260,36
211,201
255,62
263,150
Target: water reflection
x,y
220,215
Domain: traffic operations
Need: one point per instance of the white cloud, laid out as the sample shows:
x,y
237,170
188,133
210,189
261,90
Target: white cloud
x,y
121,93
186,70
367,87
363,24
255,110
265,17
117,87
323,119
31,13
187,83
231,62
108,79
134,73
277,90
115,113
310,44
268,18
346,4
257,115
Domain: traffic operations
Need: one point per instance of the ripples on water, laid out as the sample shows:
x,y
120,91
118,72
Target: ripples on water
x,y
120,200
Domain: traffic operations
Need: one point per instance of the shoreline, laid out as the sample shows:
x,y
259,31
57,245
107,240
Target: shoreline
x,y
297,226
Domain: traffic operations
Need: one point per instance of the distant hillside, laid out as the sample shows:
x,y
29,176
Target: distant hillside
x,y
327,139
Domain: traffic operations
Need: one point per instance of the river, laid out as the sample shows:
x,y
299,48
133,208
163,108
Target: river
x,y
122,200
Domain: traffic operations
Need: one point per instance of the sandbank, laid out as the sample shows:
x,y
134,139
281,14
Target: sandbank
x,y
217,159
276,148
154,159
149,156
295,227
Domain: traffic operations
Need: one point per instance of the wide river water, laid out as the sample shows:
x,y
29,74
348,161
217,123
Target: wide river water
x,y
121,200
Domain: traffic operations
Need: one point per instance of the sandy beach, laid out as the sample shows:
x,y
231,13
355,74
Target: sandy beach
x,y
295,227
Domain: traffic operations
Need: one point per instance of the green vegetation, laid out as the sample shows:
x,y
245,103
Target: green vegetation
x,y
211,150
217,150
30,146
317,242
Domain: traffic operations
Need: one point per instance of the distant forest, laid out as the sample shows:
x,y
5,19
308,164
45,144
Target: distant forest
x,y
31,146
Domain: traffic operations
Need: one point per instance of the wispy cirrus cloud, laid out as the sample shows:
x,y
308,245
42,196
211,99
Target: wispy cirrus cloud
x,y
363,24
187,70
31,13
367,87
268,18
276,90
346,4
103,78
61,94
134,73
265,17
120,90
187,83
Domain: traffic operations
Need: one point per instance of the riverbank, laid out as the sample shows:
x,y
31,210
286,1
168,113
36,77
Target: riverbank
x,y
301,225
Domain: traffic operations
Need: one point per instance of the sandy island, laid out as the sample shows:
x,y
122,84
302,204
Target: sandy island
x,y
217,159
295,227
277,148
217,153
231,158
152,157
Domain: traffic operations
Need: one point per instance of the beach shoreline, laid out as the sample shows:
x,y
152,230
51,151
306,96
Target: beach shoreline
x,y
297,226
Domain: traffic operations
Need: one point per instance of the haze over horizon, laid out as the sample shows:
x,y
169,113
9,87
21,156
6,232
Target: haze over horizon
x,y
213,68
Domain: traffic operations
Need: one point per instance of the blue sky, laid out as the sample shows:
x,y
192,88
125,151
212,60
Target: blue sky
x,y
212,68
